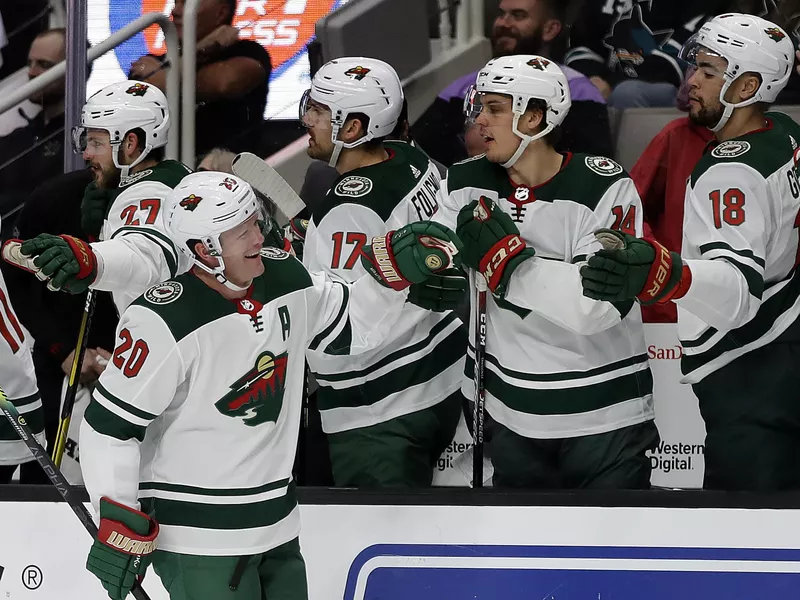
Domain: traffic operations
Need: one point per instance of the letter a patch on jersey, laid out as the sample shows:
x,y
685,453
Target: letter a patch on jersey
x,y
257,396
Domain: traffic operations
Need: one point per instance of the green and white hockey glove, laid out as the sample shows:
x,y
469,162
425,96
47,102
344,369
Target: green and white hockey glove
x,y
629,267
68,263
446,290
93,209
295,231
411,254
492,244
123,549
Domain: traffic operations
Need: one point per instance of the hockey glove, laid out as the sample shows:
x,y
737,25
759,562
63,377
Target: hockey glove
x,y
273,235
445,291
295,232
411,254
492,244
93,209
634,268
123,549
69,263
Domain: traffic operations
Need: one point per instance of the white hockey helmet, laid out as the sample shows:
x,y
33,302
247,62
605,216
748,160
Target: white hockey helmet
x,y
523,77
205,205
749,44
120,107
357,85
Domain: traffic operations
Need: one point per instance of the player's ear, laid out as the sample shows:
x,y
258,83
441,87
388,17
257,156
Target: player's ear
x,y
550,30
202,253
531,121
353,129
130,144
748,85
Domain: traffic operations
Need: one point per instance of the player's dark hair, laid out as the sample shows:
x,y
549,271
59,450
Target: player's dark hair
x,y
156,154
554,136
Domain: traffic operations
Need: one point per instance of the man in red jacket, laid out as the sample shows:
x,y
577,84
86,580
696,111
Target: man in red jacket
x,y
660,176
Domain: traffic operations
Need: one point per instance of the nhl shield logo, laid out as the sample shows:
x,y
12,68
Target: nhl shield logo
x,y
603,166
257,396
164,293
357,73
138,89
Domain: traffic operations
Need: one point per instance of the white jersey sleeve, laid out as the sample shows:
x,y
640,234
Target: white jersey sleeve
x,y
334,245
138,385
553,290
350,318
728,281
137,252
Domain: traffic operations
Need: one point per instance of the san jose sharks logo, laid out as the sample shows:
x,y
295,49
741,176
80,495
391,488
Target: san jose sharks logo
x,y
190,202
357,73
137,89
631,39
257,396
538,63
775,34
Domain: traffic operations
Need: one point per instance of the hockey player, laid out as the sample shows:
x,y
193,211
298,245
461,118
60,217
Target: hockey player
x,y
18,381
189,440
735,282
567,381
122,135
389,413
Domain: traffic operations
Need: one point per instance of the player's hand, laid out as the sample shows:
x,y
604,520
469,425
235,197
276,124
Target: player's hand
x,y
101,360
93,209
492,244
123,548
446,290
295,231
89,372
637,268
411,254
69,263
273,235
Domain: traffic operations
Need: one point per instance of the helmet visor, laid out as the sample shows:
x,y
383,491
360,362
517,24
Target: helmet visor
x,y
472,104
709,62
79,139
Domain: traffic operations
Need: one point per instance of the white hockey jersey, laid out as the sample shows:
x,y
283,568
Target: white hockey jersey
x,y
198,413
740,241
18,381
134,242
420,364
558,364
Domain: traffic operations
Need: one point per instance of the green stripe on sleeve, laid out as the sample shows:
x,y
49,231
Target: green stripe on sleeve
x,y
107,423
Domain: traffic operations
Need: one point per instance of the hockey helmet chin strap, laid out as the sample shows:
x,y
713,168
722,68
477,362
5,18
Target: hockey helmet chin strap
x,y
525,139
219,275
728,106
339,144
124,170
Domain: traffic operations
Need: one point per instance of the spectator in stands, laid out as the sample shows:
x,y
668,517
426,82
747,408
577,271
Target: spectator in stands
x,y
54,318
232,78
660,176
23,20
35,153
521,27
629,49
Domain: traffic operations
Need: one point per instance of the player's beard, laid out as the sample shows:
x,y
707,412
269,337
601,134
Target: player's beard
x,y
531,44
106,178
706,116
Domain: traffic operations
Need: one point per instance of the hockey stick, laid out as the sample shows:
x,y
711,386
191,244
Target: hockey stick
x,y
74,379
480,390
56,477
267,181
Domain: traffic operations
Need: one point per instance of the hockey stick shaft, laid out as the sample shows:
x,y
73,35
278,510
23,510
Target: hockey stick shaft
x,y
74,379
480,389
267,181
56,477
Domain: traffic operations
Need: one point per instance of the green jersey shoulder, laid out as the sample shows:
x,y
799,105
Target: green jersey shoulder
x,y
186,303
381,186
764,151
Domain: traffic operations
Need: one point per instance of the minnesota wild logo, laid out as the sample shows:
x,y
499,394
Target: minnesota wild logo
x,y
775,34
357,73
538,63
137,89
190,202
257,396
